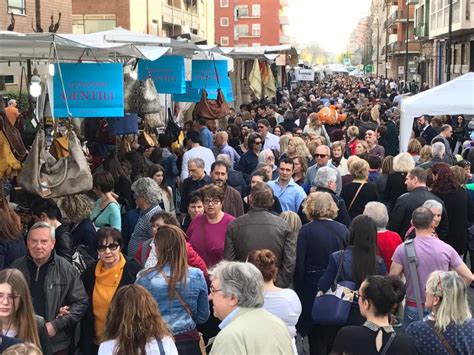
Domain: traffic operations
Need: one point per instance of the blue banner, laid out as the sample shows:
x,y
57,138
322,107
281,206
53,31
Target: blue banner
x,y
204,73
194,95
92,90
167,73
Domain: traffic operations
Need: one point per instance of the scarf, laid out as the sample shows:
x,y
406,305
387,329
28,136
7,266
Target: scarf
x,y
336,161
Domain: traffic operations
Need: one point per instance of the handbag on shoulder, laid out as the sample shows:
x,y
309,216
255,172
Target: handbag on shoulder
x,y
333,306
46,176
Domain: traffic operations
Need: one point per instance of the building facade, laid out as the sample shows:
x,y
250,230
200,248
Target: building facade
x,y
164,18
33,15
247,23
432,31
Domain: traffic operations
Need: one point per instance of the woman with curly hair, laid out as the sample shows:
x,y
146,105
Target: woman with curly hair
x,y
134,325
297,148
456,203
316,126
78,209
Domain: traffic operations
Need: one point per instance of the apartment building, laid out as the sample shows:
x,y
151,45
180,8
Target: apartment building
x,y
164,18
247,23
400,50
432,31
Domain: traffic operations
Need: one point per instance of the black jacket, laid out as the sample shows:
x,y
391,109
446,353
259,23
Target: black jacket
x,y
400,215
43,335
62,287
428,134
129,275
64,242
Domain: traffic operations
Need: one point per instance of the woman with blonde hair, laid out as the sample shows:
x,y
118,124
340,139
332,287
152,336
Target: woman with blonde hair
x,y
414,147
23,349
294,221
179,290
450,327
403,163
316,241
353,138
17,315
134,325
316,126
425,154
362,147
359,192
337,158
284,140
297,147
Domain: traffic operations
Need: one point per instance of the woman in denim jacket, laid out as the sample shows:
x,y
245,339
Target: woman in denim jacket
x,y
179,290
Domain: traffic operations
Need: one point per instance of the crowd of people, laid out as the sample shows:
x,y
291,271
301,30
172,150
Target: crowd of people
x,y
223,244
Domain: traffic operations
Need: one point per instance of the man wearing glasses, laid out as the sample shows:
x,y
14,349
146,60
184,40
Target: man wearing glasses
x,y
57,291
270,141
322,158
249,160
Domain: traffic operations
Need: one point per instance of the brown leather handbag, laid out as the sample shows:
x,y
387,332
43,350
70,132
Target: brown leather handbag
x,y
212,109
13,136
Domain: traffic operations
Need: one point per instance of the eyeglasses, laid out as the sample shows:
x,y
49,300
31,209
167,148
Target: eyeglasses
x,y
11,297
214,201
111,247
259,142
214,290
320,155
440,284
261,127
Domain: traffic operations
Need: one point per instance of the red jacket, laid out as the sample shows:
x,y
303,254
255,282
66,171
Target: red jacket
x,y
194,259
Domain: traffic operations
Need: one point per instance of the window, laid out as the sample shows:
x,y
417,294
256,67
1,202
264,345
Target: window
x,y
256,10
83,24
255,30
224,41
224,22
16,6
242,11
224,3
241,31
9,79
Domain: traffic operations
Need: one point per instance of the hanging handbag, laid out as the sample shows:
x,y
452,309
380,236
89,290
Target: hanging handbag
x,y
13,136
60,146
333,306
212,109
46,176
172,129
119,126
154,120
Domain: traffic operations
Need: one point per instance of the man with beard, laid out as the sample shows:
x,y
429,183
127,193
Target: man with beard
x,y
233,203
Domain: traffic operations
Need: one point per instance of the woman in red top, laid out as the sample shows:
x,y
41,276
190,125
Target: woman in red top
x,y
353,139
387,241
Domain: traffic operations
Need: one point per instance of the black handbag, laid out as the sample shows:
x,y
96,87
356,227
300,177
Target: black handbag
x,y
172,129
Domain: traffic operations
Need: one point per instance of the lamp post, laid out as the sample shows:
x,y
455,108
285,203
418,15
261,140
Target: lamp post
x,y
406,46
448,44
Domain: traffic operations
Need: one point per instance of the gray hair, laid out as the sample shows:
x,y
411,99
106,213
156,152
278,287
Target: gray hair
x,y
241,280
148,189
433,204
199,162
262,155
324,176
378,212
43,225
438,149
11,102
224,158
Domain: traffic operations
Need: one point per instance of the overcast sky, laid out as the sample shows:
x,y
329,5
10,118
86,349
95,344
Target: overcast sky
x,y
328,22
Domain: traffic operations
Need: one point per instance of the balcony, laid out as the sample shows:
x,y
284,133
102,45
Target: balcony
x,y
284,39
284,20
421,31
395,17
180,17
399,47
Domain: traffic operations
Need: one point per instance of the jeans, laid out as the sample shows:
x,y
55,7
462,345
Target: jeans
x,y
411,315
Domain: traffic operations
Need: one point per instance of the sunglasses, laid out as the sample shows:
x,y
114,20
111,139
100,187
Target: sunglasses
x,y
320,155
111,247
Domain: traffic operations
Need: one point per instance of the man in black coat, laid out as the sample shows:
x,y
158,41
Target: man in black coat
x,y
426,130
400,216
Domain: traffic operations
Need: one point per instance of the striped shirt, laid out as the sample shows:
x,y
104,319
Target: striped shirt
x,y
142,231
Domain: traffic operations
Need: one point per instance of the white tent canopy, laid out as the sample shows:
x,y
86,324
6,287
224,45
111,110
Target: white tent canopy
x,y
456,97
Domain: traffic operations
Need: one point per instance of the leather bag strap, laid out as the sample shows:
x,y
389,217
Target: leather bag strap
x,y
442,338
355,196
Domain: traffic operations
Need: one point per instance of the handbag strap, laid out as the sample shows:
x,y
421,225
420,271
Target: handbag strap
x,y
410,253
442,338
160,346
355,196
178,296
340,269
102,210
388,343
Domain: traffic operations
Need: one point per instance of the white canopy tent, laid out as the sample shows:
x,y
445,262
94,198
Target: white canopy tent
x,y
456,97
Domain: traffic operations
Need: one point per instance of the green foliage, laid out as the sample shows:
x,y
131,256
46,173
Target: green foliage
x,y
21,104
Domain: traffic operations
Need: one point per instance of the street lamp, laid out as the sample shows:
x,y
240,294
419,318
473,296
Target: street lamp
x,y
35,84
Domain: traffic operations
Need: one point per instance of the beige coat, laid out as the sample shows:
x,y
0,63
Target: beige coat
x,y
253,331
